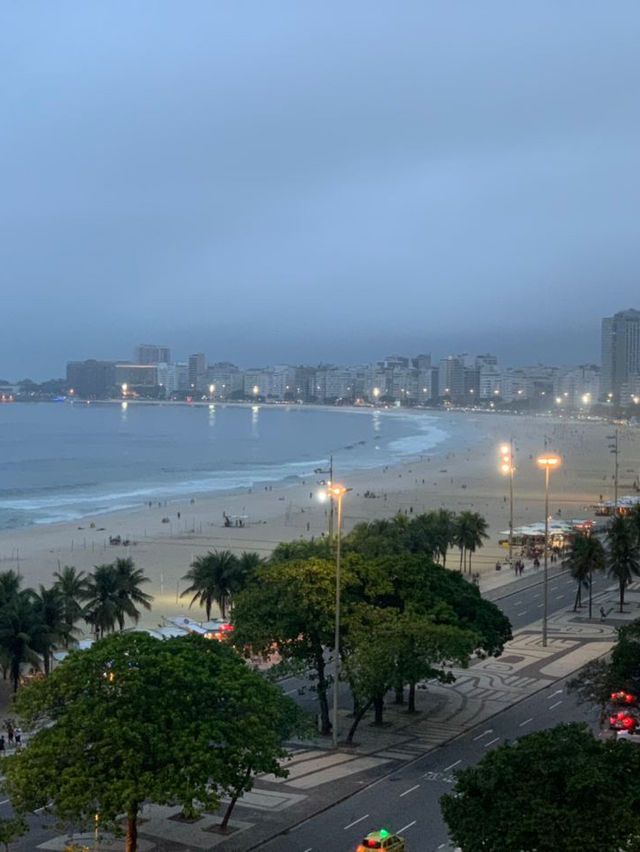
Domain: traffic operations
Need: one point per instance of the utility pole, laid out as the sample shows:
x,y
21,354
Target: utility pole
x,y
613,448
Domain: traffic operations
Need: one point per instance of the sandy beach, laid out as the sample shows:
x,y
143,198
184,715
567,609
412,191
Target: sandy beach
x,y
465,479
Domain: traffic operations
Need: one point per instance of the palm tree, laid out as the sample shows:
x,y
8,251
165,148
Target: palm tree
x,y
470,532
103,601
10,583
212,578
72,588
50,626
129,580
445,532
585,556
623,559
18,630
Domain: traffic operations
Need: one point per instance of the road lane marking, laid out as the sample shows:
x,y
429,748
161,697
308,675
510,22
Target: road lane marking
x,y
355,822
557,692
515,603
405,827
410,790
559,597
309,849
539,605
4,801
517,614
447,768
491,742
555,705
483,734
526,722
552,588
290,691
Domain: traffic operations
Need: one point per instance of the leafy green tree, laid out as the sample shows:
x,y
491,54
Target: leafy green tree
x,y
213,577
386,646
623,554
71,584
130,595
585,556
558,790
134,719
289,610
18,635
290,551
11,829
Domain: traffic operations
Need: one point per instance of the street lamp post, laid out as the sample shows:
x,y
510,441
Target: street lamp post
x,y
547,462
337,492
613,447
506,451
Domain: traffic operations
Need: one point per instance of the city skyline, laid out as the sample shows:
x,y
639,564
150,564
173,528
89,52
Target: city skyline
x,y
316,180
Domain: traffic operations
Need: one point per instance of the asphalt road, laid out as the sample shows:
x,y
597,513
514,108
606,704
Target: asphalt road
x,y
406,801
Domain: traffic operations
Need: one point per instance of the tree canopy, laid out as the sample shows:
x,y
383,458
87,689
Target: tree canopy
x,y
558,790
136,719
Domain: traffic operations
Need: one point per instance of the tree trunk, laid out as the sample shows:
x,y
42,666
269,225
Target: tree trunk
x,y
461,556
577,600
470,552
399,695
236,795
325,723
412,698
132,828
378,706
590,590
621,594
357,718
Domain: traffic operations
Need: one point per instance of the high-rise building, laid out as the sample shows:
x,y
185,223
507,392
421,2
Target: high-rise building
x,y
451,378
620,354
197,371
150,353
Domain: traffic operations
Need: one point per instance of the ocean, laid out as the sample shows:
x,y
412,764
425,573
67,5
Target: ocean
x,y
62,461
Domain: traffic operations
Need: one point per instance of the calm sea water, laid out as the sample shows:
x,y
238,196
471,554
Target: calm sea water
x,y
61,462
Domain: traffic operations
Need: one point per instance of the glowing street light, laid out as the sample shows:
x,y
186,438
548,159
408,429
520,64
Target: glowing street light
x,y
586,398
376,393
256,390
547,462
211,391
125,387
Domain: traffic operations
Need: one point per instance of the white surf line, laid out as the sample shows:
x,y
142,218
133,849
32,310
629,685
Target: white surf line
x,y
526,722
557,704
491,742
483,734
447,768
552,588
355,822
408,825
410,790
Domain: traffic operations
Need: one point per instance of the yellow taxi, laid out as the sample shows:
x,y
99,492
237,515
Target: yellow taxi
x,y
382,839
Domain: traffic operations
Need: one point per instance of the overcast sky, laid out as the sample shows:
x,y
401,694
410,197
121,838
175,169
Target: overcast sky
x,y
301,181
